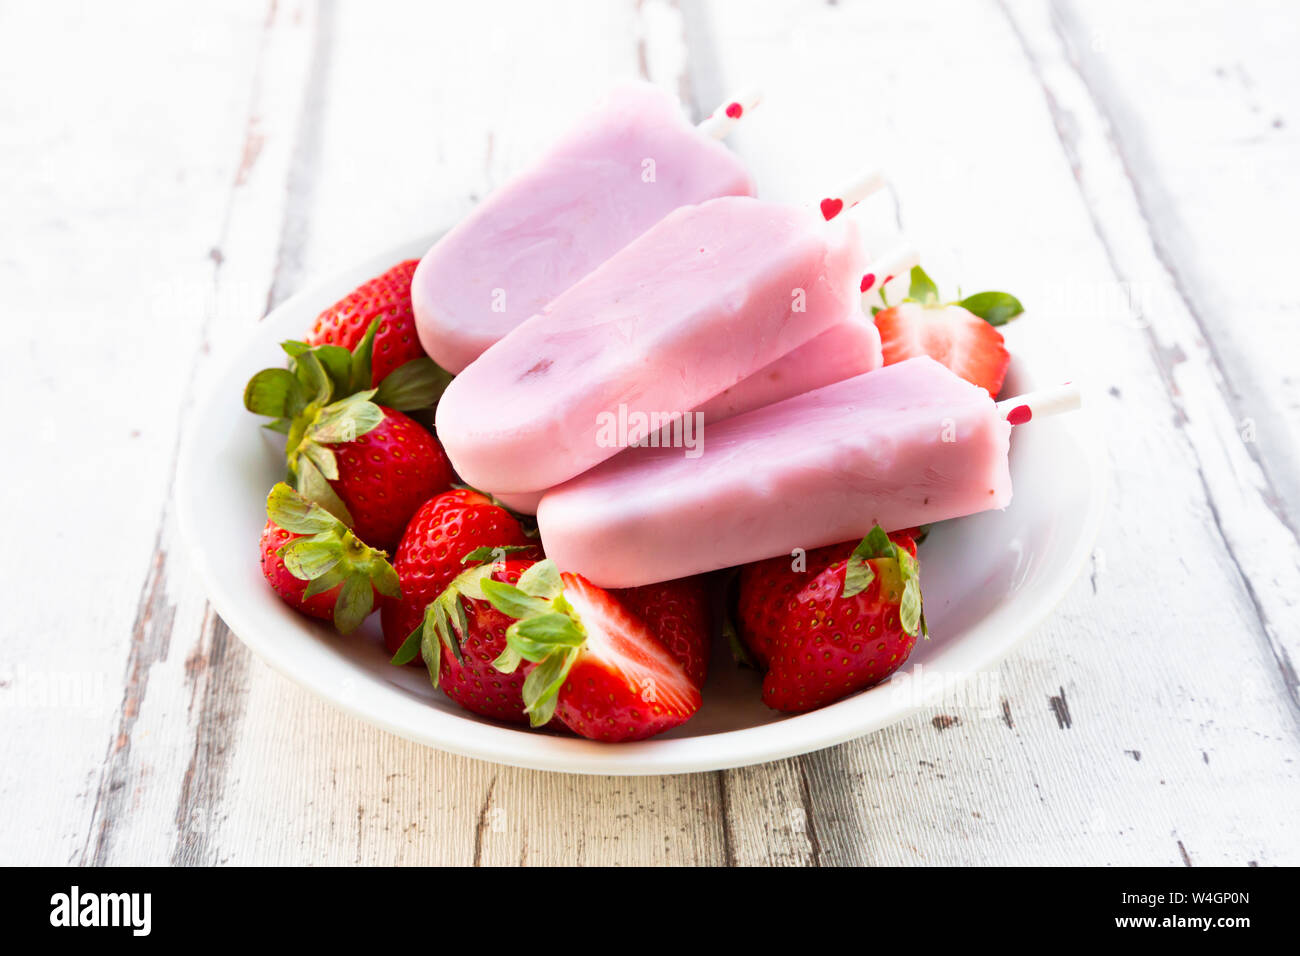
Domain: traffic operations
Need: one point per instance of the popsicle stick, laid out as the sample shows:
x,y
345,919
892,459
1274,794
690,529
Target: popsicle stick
x,y
893,263
727,115
851,193
1045,401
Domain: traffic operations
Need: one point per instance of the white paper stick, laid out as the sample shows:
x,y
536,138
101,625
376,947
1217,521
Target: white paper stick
x,y
892,264
726,116
1046,401
851,193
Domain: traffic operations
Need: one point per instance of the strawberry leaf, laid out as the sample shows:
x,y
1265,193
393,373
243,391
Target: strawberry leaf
x,y
356,600
335,359
858,576
385,579
493,553
360,359
922,288
541,691
911,608
327,581
314,485
313,377
995,308
309,558
418,383
409,649
541,580
346,420
273,392
858,572
511,601
322,459
547,632
293,512
431,645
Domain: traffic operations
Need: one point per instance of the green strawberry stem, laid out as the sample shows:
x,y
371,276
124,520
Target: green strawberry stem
x,y
324,398
547,632
445,623
876,553
329,555
995,308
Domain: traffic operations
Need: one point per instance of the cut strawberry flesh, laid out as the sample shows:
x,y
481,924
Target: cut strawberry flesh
x,y
950,335
625,685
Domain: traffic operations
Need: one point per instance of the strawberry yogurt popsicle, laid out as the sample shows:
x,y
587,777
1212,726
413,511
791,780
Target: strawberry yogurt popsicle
x,y
904,445
623,169
848,348
703,299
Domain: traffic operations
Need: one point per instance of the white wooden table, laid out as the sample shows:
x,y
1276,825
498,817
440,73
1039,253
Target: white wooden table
x,y
1127,169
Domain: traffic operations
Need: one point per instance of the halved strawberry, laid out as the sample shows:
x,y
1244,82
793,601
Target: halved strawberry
x,y
948,334
959,335
597,667
677,613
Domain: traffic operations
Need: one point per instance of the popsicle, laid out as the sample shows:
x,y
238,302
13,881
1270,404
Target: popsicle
x,y
705,298
846,349
624,168
901,446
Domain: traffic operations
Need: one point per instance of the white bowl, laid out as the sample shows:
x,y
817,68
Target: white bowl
x,y
987,579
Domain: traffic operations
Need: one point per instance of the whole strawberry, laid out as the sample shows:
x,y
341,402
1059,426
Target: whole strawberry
x,y
386,299
317,565
846,622
459,635
383,474
369,465
960,335
590,660
677,613
439,537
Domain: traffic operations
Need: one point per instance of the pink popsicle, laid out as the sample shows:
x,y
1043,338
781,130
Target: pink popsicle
x,y
846,349
705,298
624,168
522,502
904,445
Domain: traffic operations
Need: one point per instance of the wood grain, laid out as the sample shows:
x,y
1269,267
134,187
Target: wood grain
x,y
1124,170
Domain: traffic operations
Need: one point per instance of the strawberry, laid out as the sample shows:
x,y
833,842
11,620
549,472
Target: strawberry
x,y
846,622
384,474
441,535
459,635
960,335
385,298
677,613
595,663
317,565
367,464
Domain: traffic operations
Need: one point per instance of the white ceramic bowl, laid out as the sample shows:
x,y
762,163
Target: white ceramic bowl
x,y
988,580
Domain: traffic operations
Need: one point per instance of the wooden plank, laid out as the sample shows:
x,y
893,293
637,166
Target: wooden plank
x,y
1160,651
360,795
1092,157
154,800
114,193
